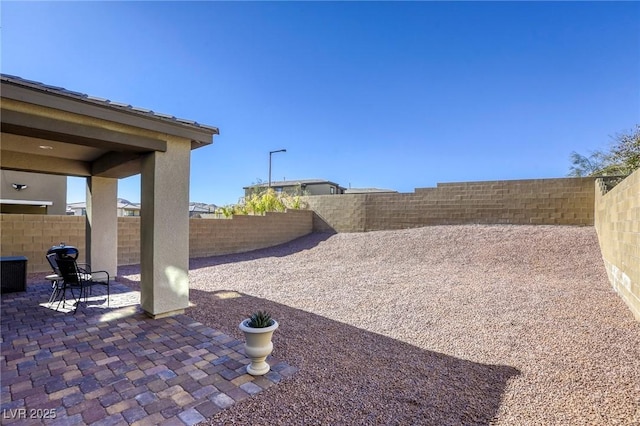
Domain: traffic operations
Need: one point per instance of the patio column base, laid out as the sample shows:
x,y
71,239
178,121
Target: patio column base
x,y
165,314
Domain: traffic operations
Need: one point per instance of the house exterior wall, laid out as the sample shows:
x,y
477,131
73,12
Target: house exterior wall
x,y
33,235
322,189
563,201
128,212
617,222
40,187
305,188
80,209
286,189
77,211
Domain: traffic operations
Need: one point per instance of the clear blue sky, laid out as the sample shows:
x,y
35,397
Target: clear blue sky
x,y
368,94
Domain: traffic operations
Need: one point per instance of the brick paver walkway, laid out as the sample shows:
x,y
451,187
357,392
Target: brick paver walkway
x,y
114,365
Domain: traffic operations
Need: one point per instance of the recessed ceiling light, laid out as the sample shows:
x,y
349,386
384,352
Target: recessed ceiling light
x,y
45,147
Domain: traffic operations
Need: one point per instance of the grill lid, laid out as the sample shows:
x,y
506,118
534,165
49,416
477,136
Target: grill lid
x,y
64,251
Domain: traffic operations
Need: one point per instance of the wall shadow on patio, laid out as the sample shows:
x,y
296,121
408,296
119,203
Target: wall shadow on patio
x,y
355,376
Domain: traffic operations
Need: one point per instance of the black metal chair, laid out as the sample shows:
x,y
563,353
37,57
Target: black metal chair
x,y
82,279
57,283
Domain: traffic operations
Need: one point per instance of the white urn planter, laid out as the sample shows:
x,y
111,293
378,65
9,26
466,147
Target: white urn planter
x,y
258,346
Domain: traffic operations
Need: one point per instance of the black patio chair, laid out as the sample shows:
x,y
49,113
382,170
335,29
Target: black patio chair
x,y
83,279
57,283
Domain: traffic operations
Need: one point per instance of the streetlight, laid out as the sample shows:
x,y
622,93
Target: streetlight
x,y
273,152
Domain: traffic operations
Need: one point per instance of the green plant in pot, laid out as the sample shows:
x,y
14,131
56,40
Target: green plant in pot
x,y
258,330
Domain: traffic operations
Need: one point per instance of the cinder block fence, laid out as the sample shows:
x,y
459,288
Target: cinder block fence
x,y
617,222
565,201
32,235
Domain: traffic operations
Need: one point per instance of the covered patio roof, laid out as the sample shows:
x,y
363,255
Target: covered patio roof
x,y
52,130
49,129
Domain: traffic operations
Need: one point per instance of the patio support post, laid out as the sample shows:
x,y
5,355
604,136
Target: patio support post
x,y
102,224
164,230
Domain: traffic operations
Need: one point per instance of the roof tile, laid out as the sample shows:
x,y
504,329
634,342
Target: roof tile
x,y
105,102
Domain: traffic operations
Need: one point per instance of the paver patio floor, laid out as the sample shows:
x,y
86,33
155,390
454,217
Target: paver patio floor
x,y
114,365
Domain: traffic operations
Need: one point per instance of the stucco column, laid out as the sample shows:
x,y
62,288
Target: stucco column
x,y
164,230
102,224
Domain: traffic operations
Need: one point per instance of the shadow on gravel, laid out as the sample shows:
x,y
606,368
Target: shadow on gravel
x,y
350,375
299,244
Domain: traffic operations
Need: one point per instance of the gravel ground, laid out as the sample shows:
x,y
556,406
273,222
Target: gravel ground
x,y
443,325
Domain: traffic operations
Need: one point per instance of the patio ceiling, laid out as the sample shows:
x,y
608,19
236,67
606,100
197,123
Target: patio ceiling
x,y
48,129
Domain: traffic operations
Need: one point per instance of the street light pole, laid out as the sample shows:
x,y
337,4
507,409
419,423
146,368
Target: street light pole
x,y
273,152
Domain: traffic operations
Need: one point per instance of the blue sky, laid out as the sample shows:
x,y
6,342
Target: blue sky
x,y
394,95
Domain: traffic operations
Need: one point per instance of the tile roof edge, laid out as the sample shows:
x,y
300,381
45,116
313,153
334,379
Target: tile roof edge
x,y
104,102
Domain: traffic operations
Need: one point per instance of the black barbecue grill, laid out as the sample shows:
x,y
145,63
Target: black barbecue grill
x,y
64,251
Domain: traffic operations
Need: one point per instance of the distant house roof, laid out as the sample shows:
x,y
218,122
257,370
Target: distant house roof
x,y
126,204
294,183
121,204
106,102
202,208
367,190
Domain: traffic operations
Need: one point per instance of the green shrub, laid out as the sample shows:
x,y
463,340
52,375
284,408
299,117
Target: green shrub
x,y
260,319
261,202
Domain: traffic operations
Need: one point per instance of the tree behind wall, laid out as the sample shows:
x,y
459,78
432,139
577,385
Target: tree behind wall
x,y
622,158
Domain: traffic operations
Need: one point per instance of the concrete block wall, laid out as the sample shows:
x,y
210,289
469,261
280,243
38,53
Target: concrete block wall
x,y
32,235
617,222
562,201
338,213
128,240
210,237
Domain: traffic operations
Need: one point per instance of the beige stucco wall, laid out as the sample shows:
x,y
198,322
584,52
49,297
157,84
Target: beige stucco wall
x,y
617,221
164,229
33,235
40,187
563,201
102,224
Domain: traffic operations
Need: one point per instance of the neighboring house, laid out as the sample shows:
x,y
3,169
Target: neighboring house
x,y
128,209
369,191
125,208
77,209
198,209
299,187
32,193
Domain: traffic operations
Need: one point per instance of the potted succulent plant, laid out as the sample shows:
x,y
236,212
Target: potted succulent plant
x,y
258,330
